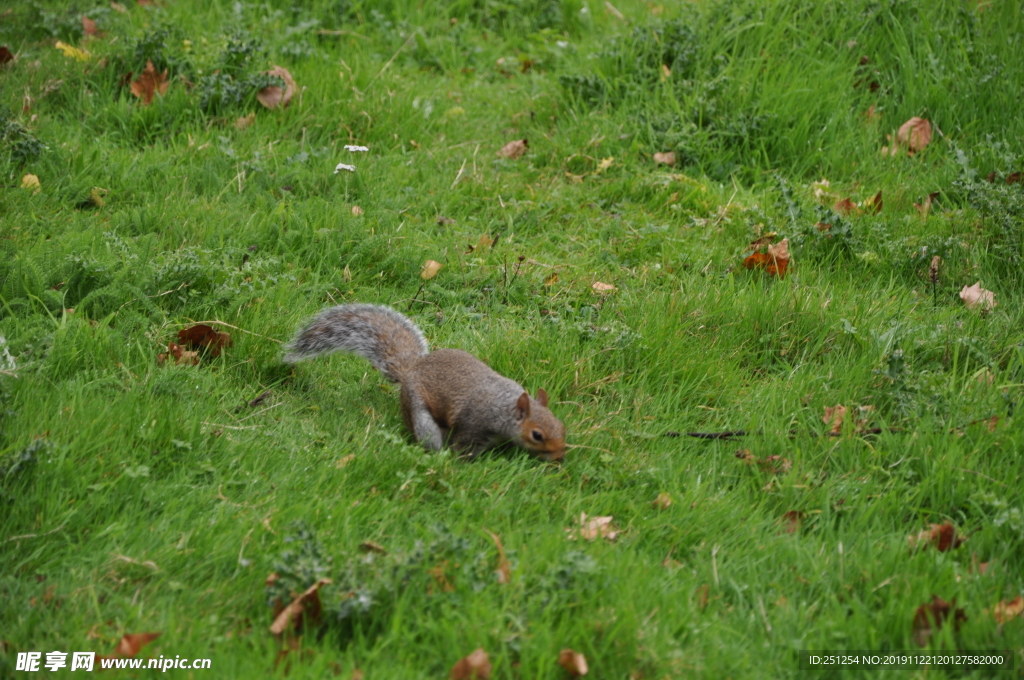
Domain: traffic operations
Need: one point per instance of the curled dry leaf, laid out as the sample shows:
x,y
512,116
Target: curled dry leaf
x,y
915,134
976,296
573,662
931,616
273,96
475,666
874,204
131,644
357,211
846,207
943,536
504,570
1007,610
371,547
89,28
663,501
772,465
604,164
513,149
602,287
304,608
150,83
834,416
31,182
243,122
666,158
926,207
430,269
5,55
203,338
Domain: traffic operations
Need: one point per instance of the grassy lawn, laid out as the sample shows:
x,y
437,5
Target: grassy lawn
x,y
139,497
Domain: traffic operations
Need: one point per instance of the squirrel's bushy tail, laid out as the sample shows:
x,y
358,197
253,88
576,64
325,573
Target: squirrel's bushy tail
x,y
388,339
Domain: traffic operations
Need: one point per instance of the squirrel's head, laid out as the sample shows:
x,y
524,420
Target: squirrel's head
x,y
540,432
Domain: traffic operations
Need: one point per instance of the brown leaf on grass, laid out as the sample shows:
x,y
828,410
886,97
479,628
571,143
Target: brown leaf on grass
x,y
573,662
773,465
702,596
834,416
305,608
1005,611
180,356
5,54
871,115
131,644
666,158
243,122
593,528
485,241
371,547
775,261
357,674
793,519
150,83
943,536
1013,178
273,96
476,666
430,269
931,616
926,207
89,28
846,207
357,211
915,134
203,338
874,204
663,501
746,455
513,149
599,287
504,570
976,296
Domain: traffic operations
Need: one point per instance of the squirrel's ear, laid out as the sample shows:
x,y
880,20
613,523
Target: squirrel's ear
x,y
523,406
542,397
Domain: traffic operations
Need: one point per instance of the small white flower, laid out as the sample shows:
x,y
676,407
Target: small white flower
x,y
562,43
342,166
353,148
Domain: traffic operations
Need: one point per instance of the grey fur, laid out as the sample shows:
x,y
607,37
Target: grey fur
x,y
382,335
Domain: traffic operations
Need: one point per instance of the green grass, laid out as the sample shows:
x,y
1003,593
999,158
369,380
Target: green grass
x,y
104,455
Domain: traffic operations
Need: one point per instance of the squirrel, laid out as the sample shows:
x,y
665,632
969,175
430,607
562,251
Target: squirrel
x,y
448,396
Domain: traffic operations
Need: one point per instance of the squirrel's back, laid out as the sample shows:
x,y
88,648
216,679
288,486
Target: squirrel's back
x,y
388,339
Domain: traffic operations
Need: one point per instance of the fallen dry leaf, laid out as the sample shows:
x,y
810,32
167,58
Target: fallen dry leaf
x,y
118,7
31,182
344,460
834,416
243,122
305,608
915,134
604,165
504,570
430,269
150,83
602,287
934,613
663,501
976,296
926,207
1004,611
874,204
846,207
513,149
702,596
357,674
1013,178
203,338
793,520
72,52
573,662
132,643
273,96
485,241
89,28
943,536
357,211
592,528
476,666
666,158
371,547
775,261
180,356
773,465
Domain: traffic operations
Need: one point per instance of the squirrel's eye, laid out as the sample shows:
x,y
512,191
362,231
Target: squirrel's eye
x,y
537,436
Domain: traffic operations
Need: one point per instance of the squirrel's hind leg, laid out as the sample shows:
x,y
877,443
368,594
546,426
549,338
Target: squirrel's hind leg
x,y
419,419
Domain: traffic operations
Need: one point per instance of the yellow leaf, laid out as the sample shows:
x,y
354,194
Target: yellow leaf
x,y
430,269
72,52
604,164
31,182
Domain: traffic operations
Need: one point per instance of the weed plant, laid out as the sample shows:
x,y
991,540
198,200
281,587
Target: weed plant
x,y
139,497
